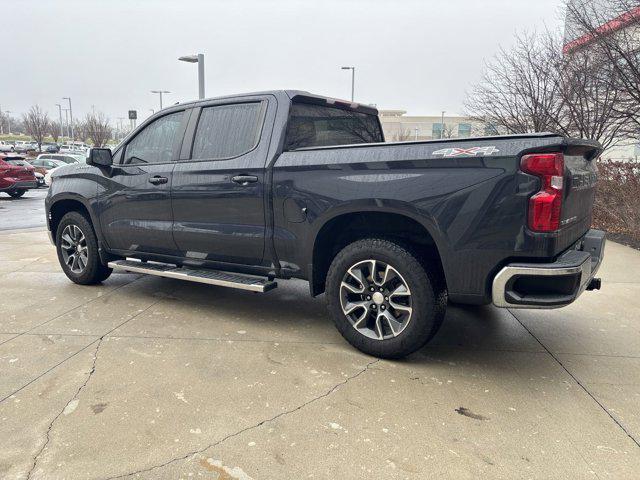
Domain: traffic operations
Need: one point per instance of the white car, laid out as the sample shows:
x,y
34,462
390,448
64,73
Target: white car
x,y
73,149
47,176
63,157
6,146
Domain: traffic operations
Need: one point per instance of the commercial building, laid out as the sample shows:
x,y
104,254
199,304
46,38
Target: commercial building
x,y
398,126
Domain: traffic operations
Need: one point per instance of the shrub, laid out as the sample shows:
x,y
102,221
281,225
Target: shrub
x,y
617,206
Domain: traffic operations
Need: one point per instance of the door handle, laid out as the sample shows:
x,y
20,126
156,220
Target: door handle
x,y
158,180
244,179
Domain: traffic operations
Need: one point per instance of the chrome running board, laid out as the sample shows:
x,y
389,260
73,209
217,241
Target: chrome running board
x,y
211,277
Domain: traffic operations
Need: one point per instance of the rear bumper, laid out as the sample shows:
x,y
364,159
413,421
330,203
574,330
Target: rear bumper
x,y
551,285
22,185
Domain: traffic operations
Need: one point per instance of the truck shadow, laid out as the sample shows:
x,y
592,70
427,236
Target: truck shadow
x,y
289,313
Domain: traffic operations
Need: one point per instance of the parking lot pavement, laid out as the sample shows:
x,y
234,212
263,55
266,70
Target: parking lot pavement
x,y
24,212
151,378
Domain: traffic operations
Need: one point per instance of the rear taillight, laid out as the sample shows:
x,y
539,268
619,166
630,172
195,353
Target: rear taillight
x,y
546,205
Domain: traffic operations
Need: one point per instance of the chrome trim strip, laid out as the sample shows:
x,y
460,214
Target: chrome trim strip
x,y
502,278
180,274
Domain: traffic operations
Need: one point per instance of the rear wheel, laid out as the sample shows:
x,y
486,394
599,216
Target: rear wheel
x,y
77,248
382,299
16,193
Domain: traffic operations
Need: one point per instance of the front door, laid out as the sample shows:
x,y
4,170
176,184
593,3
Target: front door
x,y
135,197
218,189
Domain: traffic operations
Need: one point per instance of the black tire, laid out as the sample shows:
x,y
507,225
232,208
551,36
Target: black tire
x,y
94,271
428,297
16,193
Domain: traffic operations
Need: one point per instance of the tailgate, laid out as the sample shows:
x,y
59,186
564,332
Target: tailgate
x,y
580,180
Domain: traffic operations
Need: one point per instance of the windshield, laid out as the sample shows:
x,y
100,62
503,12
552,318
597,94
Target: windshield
x,y
18,163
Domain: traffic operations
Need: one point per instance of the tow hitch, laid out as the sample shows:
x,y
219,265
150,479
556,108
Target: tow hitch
x,y
594,284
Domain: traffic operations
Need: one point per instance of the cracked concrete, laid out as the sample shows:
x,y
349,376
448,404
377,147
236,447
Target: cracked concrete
x,y
150,378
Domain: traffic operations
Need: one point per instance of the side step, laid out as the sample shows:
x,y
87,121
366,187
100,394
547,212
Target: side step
x,y
212,277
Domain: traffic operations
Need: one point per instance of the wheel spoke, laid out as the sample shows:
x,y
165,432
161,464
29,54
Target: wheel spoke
x,y
351,306
68,242
401,290
394,325
351,288
398,306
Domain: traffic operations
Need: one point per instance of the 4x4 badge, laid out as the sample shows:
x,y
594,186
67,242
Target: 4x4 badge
x,y
467,152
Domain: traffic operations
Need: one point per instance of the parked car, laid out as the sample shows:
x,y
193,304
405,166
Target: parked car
x,y
48,175
238,191
63,157
50,147
44,165
39,179
6,146
23,146
71,149
16,175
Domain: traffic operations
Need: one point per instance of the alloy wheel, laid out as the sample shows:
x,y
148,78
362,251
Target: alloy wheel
x,y
376,299
73,246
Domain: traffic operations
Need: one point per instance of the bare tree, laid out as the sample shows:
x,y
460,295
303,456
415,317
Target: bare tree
x,y
81,130
36,123
54,130
591,99
519,87
401,135
610,30
98,128
535,88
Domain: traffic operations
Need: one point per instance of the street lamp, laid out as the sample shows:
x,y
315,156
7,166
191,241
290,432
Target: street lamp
x,y
66,121
60,115
70,116
353,78
160,92
199,59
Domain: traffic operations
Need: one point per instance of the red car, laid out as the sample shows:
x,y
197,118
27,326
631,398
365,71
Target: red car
x,y
16,177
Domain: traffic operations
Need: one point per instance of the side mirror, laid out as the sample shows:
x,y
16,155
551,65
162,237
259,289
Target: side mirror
x,y
100,157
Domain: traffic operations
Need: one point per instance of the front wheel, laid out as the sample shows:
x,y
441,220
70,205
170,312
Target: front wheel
x,y
77,248
16,193
382,299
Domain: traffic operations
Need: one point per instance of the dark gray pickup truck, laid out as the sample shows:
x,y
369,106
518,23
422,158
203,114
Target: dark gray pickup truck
x,y
242,190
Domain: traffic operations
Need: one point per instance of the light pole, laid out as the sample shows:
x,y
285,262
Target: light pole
x,y
353,78
8,121
66,121
442,126
60,114
160,92
199,59
70,116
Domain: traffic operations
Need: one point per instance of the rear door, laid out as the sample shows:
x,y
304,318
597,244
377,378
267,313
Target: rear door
x,y
219,183
134,198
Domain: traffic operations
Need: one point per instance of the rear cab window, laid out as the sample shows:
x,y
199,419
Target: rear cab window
x,y
312,125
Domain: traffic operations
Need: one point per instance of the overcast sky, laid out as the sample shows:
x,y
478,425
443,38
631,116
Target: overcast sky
x,y
416,55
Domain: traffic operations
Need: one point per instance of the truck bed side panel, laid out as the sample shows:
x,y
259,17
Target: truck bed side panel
x,y
473,207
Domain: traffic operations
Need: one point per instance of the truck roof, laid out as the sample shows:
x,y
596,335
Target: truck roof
x,y
299,96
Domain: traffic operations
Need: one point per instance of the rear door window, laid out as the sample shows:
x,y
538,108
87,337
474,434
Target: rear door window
x,y
317,126
227,131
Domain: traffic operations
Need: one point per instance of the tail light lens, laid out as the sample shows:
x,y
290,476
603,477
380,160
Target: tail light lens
x,y
546,205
